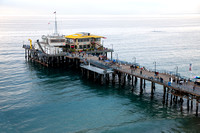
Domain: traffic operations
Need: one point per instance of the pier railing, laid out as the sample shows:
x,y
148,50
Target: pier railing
x,y
183,87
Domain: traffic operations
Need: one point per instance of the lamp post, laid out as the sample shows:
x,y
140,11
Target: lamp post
x,y
117,57
176,70
111,51
112,46
155,66
134,58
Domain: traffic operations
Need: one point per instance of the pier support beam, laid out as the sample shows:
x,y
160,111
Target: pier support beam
x,y
102,79
191,104
94,77
88,74
152,88
176,100
25,53
135,80
167,96
132,79
141,81
119,78
124,83
164,92
171,99
187,103
181,102
197,107
107,78
113,78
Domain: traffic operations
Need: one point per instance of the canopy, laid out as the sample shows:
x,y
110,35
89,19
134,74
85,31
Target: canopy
x,y
83,35
196,77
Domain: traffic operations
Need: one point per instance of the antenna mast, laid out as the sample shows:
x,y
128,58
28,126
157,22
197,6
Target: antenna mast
x,y
56,30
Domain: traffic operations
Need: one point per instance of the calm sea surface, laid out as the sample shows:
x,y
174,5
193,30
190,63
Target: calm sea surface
x,y
38,99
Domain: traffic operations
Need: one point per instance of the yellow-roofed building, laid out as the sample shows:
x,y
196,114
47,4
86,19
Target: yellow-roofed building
x,y
83,41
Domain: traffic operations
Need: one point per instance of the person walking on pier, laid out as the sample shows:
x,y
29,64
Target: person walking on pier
x,y
194,87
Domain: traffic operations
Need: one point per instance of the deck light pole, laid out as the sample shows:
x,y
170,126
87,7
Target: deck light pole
x,y
56,30
176,70
117,57
111,51
155,66
134,58
112,46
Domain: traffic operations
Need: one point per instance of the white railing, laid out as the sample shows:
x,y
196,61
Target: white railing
x,y
52,50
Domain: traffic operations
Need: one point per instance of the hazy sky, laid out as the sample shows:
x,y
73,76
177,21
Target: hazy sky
x,y
100,7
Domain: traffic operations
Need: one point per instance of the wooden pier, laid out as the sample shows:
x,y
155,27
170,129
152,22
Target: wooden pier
x,y
92,67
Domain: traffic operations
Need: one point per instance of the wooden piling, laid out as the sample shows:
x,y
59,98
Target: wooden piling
x,y
124,83
197,107
152,88
113,78
102,79
132,79
119,78
164,91
171,99
191,104
167,96
176,99
88,74
141,90
188,103
25,53
181,102
107,78
135,80
94,77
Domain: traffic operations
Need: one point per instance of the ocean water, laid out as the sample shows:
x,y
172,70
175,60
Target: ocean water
x,y
34,98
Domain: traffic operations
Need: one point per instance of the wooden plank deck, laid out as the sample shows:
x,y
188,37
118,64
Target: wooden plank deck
x,y
186,87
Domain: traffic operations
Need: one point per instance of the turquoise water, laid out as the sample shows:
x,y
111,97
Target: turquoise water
x,y
38,99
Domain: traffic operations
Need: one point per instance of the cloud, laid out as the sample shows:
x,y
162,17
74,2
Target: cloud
x,y
86,7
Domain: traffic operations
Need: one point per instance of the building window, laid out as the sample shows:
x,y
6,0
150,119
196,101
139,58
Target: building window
x,y
88,46
68,46
84,46
97,39
69,40
57,40
80,47
80,40
83,40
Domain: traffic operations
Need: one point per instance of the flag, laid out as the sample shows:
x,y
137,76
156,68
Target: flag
x,y
190,68
104,38
55,12
49,23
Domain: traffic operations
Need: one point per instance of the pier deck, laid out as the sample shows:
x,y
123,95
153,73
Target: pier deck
x,y
99,70
96,69
150,76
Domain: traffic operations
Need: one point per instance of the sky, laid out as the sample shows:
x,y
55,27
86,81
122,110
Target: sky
x,y
99,7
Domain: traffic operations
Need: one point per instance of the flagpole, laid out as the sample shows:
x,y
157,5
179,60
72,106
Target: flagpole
x,y
56,31
190,69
